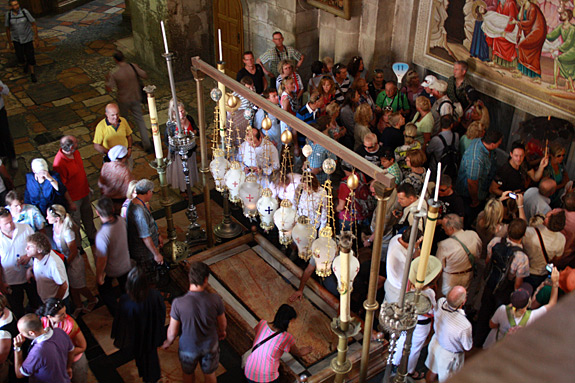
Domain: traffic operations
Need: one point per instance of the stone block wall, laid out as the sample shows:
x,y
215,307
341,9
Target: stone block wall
x,y
188,29
297,21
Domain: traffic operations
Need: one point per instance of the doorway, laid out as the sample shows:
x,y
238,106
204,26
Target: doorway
x,y
228,17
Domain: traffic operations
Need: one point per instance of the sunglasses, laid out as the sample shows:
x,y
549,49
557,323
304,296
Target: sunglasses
x,y
408,136
53,211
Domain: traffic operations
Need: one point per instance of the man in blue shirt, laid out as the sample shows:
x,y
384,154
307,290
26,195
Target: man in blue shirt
x,y
476,171
22,35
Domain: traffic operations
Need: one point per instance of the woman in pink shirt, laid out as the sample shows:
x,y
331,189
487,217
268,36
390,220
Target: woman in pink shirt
x,y
53,314
271,341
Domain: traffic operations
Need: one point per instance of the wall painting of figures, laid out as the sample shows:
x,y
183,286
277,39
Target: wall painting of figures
x,y
521,52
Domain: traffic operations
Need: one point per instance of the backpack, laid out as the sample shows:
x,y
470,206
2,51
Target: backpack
x,y
502,256
24,12
456,109
449,157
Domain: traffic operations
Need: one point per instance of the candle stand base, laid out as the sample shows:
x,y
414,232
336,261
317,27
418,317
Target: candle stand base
x,y
175,250
344,330
227,229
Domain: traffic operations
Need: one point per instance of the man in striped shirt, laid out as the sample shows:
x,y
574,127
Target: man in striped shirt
x,y
342,82
452,336
273,56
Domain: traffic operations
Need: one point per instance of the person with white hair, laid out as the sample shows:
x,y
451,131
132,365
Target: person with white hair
x,y
452,337
44,187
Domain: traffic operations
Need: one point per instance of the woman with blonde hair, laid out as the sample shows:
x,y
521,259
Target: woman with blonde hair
x,y
130,195
174,173
423,119
64,238
287,69
362,117
335,131
475,130
410,143
490,223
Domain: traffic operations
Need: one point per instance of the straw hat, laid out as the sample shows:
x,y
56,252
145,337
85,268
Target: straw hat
x,y
434,267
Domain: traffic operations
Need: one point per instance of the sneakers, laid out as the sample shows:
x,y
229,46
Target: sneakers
x,y
33,77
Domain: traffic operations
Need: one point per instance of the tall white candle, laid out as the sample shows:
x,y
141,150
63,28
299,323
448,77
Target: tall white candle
x,y
164,36
424,190
436,196
220,44
156,138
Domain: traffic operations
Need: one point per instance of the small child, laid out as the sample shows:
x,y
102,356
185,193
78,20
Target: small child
x,y
24,213
389,164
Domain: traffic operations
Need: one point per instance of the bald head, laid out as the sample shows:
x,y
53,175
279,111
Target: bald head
x,y
547,187
30,322
113,114
456,297
68,144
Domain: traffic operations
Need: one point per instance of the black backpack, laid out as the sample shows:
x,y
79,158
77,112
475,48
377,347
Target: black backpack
x,y
449,157
502,255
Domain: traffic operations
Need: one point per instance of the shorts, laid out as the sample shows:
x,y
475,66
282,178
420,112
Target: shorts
x,y
209,360
25,52
77,273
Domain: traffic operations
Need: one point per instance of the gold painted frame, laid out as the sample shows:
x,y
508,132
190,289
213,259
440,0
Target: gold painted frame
x,y
342,10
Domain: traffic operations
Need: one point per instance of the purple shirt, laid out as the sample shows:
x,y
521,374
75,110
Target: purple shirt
x,y
48,358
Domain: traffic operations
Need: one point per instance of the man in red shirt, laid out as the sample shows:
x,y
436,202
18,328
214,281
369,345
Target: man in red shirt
x,y
68,163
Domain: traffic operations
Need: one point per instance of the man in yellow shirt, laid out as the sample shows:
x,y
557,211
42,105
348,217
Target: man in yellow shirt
x,y
112,130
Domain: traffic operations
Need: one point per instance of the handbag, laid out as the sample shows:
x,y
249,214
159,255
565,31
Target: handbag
x,y
246,354
143,94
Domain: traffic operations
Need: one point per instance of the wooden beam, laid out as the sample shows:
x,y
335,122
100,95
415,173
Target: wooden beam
x,y
316,136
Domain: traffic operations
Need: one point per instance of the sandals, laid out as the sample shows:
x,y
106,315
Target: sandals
x,y
417,375
91,305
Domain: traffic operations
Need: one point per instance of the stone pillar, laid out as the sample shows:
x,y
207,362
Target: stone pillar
x,y
127,14
188,28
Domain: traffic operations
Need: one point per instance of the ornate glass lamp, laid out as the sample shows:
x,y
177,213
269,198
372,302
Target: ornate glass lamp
x,y
284,218
219,166
303,234
324,249
353,271
233,179
250,192
267,206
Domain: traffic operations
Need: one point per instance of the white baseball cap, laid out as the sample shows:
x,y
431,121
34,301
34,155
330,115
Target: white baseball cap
x,y
429,79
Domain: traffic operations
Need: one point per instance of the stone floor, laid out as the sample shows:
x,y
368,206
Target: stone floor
x,y
69,98
73,58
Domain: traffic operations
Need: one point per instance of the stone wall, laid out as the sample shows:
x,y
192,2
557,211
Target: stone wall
x,y
297,21
378,31
146,16
188,28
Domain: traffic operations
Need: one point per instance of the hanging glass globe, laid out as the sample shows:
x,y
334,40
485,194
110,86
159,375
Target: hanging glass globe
x,y
324,250
233,179
218,167
303,234
267,206
249,193
284,218
353,271
216,94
